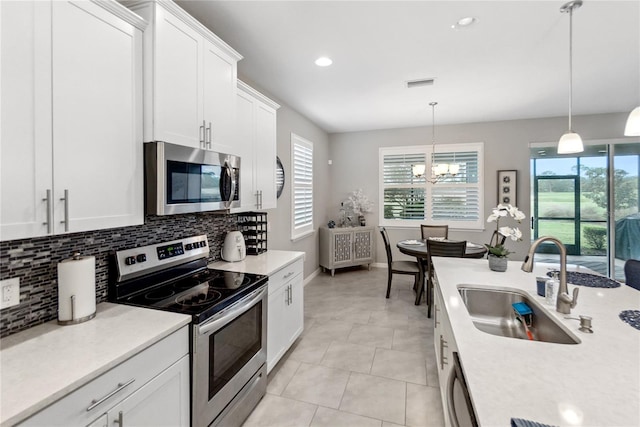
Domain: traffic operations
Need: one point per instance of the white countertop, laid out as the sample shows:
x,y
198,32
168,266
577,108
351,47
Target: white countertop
x,y
594,383
40,365
266,263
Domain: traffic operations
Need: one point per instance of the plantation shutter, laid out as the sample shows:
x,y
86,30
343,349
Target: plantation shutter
x,y
408,200
302,186
404,194
457,200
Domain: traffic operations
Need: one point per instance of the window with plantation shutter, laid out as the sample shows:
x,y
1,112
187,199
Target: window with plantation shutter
x,y
409,200
301,187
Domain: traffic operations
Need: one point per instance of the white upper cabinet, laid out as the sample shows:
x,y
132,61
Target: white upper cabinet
x,y
173,80
71,118
190,80
219,99
257,140
25,142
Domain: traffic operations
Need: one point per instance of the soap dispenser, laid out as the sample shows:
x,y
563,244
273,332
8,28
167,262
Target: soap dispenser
x,y
551,289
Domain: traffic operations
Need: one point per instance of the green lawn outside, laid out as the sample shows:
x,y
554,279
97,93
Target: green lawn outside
x,y
560,204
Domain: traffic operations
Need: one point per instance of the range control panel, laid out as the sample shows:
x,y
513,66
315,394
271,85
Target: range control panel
x,y
147,259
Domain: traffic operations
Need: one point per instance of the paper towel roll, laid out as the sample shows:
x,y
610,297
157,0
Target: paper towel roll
x,y
76,289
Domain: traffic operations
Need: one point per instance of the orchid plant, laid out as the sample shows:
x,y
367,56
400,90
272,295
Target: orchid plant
x,y
514,233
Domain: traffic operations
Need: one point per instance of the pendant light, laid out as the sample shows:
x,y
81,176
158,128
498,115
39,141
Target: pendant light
x,y
633,123
438,170
570,142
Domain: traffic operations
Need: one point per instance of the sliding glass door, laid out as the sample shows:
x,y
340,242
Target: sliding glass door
x,y
590,202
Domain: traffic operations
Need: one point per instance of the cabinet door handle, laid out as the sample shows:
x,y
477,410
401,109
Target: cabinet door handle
x,y
210,135
286,296
290,294
202,134
443,359
435,316
96,402
48,223
65,199
120,420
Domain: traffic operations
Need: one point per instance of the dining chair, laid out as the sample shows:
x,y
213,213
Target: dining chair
x,y
440,248
632,273
434,231
398,267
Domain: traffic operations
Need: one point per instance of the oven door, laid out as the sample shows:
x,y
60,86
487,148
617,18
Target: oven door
x,y
228,350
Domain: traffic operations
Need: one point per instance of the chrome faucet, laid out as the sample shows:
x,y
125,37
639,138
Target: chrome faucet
x,y
564,302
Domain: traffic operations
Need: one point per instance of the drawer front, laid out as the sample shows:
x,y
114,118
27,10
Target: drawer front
x,y
284,275
80,407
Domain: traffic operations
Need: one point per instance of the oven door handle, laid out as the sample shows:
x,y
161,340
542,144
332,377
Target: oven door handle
x,y
236,310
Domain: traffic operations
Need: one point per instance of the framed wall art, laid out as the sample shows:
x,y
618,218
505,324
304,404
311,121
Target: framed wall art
x,y
508,187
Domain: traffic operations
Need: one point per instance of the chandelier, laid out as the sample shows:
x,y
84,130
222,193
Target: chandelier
x,y
439,171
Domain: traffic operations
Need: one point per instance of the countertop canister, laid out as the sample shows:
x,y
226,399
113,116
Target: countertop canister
x,y
76,289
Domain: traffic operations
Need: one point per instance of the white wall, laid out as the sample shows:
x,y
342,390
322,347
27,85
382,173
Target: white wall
x,y
506,145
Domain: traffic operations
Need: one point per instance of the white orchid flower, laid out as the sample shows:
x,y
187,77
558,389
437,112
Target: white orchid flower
x,y
505,231
513,233
518,215
517,234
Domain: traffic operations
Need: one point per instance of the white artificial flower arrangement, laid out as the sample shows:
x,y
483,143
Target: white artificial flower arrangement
x,y
513,233
359,202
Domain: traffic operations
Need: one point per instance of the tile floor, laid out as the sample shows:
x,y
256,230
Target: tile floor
x,y
362,360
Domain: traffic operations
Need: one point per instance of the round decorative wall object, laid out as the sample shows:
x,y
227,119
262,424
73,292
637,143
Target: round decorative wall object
x,y
279,177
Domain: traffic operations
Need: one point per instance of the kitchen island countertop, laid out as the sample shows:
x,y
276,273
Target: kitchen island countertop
x,y
42,364
593,383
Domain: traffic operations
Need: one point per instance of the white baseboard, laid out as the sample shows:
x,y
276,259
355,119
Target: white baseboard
x,y
312,276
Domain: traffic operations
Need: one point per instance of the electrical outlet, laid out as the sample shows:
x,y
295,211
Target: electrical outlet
x,y
10,292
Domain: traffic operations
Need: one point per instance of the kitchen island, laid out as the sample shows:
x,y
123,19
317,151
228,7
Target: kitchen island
x,y
593,383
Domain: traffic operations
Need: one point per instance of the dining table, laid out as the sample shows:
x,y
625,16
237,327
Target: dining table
x,y
418,249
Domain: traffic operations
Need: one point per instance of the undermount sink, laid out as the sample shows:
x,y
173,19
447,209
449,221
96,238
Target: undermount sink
x,y
492,312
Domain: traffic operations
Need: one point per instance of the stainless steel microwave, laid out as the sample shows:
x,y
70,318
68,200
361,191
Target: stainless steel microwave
x,y
180,179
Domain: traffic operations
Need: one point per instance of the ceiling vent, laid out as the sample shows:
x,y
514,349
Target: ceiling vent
x,y
421,82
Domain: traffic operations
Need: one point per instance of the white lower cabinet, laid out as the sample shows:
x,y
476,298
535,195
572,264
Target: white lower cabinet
x,y
163,401
285,315
445,345
149,389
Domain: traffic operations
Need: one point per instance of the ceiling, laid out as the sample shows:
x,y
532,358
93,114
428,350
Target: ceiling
x,y
512,64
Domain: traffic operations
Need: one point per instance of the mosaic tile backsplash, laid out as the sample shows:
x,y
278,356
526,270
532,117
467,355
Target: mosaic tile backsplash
x,y
35,260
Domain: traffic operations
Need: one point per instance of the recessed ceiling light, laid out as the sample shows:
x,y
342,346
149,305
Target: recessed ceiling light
x,y
465,22
323,61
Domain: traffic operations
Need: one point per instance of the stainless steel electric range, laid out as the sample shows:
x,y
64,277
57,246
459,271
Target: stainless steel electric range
x,y
228,330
